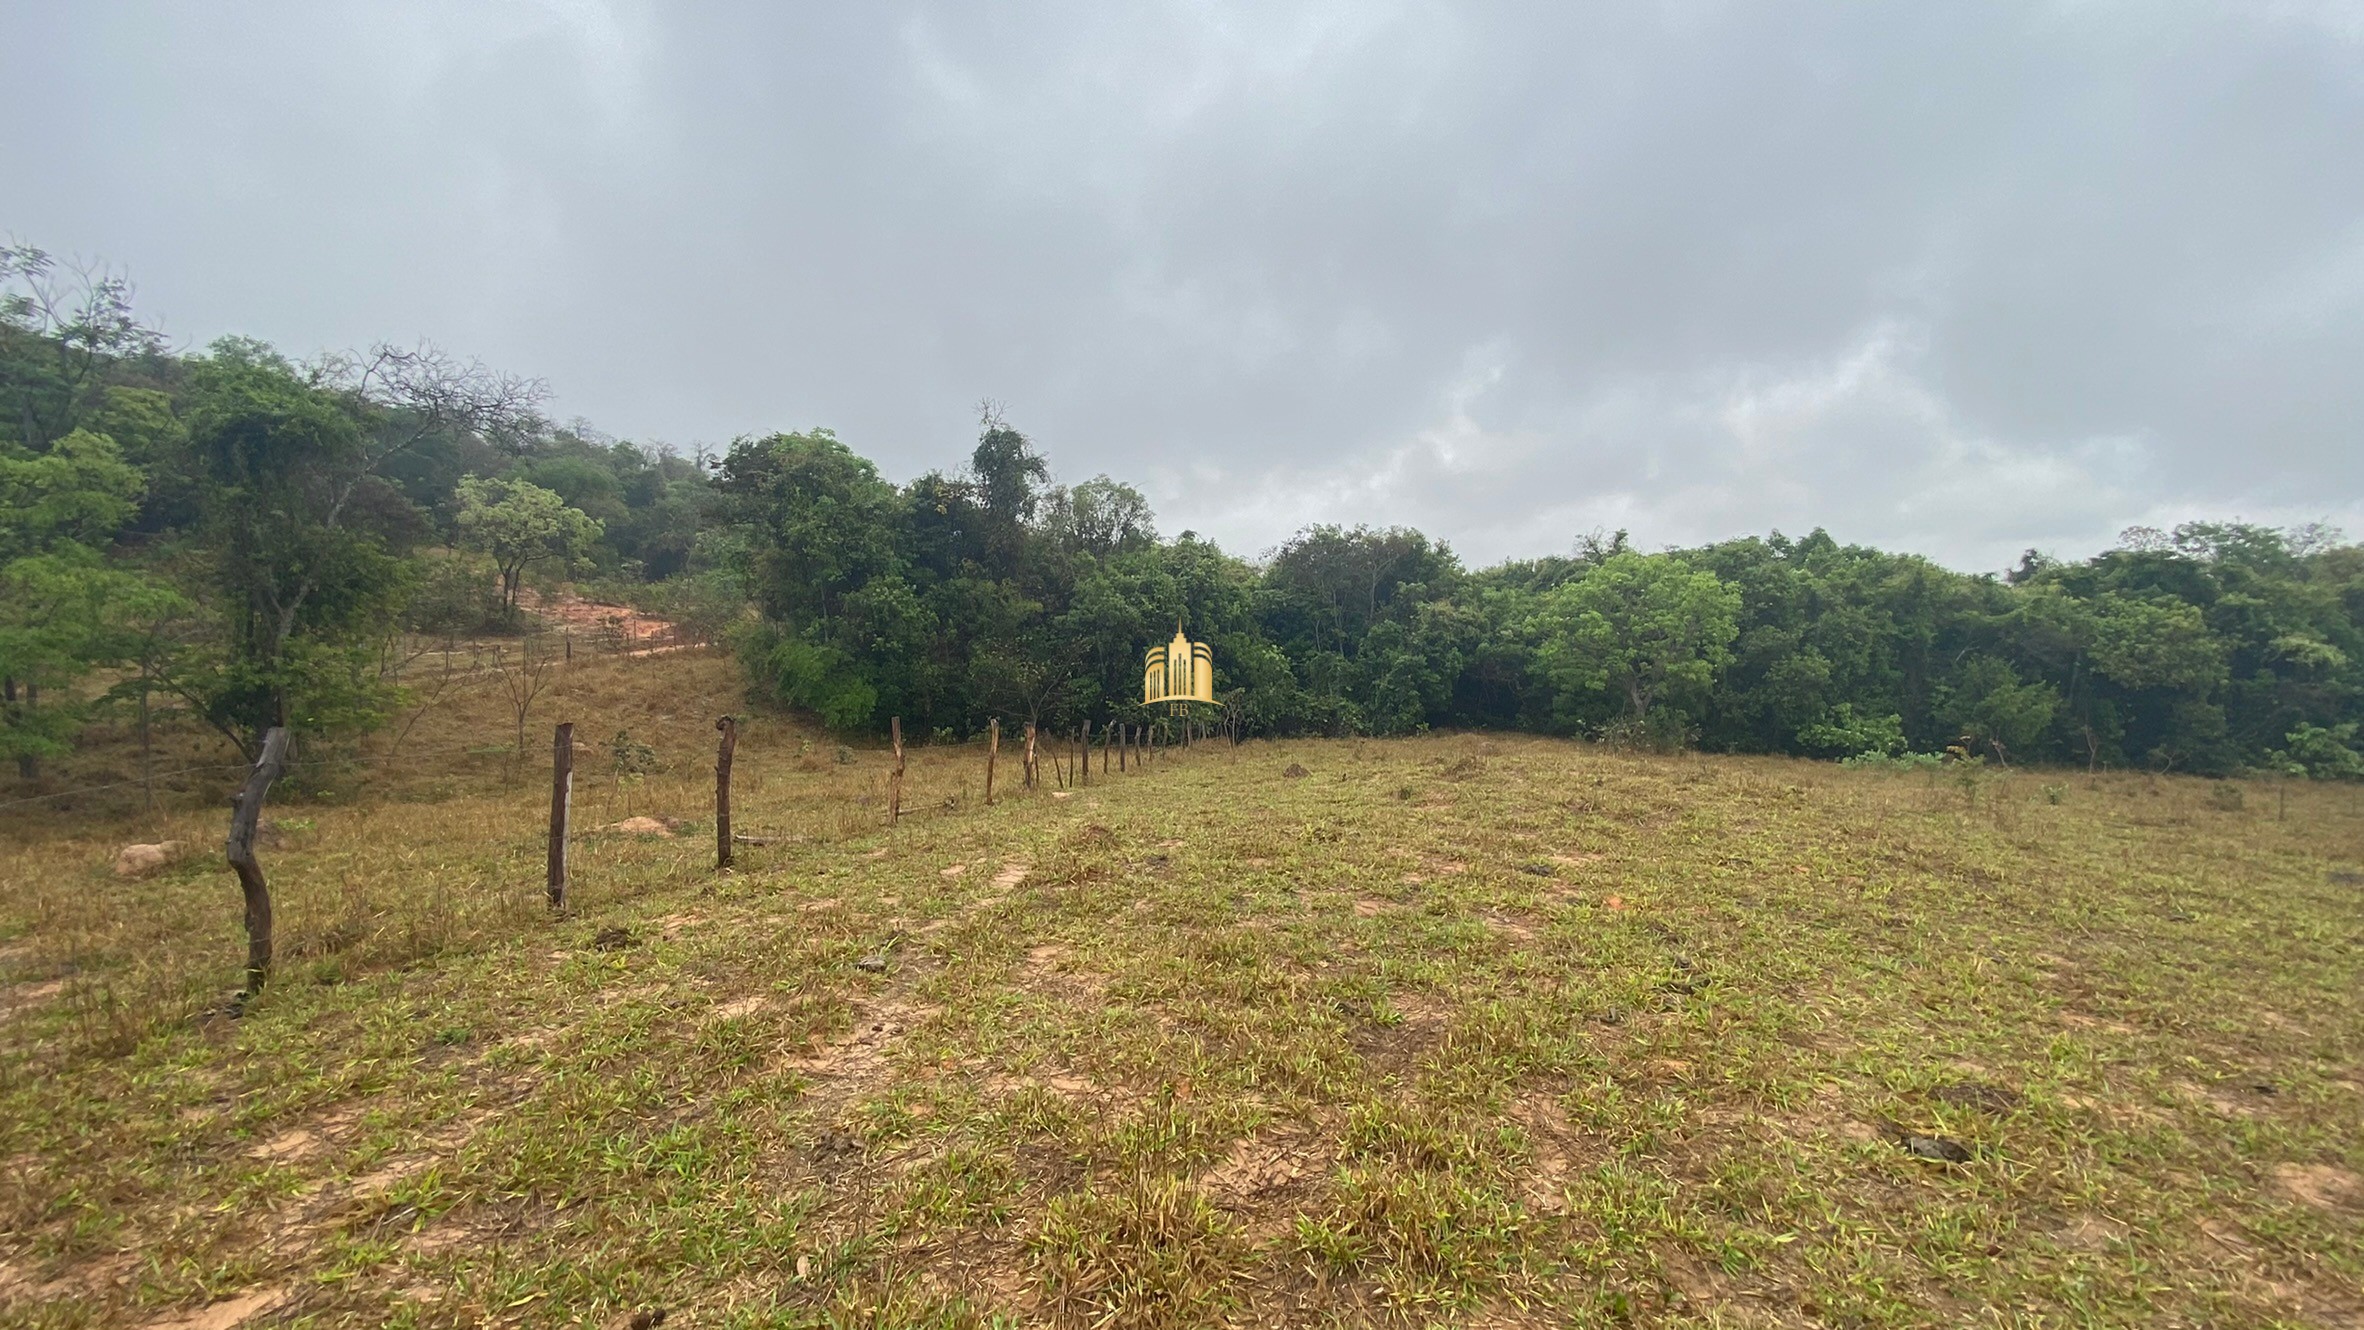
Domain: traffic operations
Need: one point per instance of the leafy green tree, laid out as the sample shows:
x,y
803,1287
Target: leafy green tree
x,y
1099,517
2323,752
80,490
1848,732
520,524
1991,708
57,510
843,627
50,633
822,521
62,327
1641,627
305,533
2155,644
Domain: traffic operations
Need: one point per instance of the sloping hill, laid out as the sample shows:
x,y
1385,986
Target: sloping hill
x,y
1453,1029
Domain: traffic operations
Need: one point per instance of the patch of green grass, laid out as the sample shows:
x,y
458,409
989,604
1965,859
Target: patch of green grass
x,y
1451,1030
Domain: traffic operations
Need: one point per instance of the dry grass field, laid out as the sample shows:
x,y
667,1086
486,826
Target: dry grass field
x,y
1457,1030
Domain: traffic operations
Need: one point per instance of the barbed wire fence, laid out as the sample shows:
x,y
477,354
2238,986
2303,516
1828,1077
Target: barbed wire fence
x,y
1063,758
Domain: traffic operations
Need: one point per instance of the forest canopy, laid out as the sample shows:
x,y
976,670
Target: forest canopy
x,y
240,539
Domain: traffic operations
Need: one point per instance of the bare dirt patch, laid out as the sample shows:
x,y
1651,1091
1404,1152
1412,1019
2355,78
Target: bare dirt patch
x,y
2093,1233
24,997
1068,1084
858,1057
1512,929
2323,1186
1554,1151
1265,1176
288,1146
631,631
225,1315
437,1146
298,1143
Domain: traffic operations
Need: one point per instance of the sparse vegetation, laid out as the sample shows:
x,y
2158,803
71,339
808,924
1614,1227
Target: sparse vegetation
x,y
1453,1030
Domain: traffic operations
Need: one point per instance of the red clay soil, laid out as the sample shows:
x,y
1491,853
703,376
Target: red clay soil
x,y
635,632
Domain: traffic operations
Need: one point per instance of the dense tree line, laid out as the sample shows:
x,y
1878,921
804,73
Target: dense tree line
x,y
996,593
240,537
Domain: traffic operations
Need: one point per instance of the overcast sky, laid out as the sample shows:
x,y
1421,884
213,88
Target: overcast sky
x,y
1955,278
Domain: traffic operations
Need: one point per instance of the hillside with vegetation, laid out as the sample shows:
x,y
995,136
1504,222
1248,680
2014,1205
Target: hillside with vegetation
x,y
1512,953
1490,1031
227,539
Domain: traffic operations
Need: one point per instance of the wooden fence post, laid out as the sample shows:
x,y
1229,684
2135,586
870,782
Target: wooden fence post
x,y
992,750
1124,734
239,850
1029,764
1084,753
895,785
562,790
729,725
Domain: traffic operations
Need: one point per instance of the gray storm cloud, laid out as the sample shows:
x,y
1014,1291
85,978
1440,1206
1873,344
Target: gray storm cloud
x,y
1958,279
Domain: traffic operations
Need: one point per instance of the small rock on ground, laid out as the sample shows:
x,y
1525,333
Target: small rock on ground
x,y
141,860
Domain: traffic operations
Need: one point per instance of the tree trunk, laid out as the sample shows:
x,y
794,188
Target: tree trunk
x,y
29,765
562,792
722,790
239,850
147,749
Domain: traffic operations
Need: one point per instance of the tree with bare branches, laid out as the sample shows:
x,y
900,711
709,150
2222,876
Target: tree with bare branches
x,y
61,324
526,671
303,522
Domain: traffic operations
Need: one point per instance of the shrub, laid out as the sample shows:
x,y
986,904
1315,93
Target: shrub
x,y
1877,761
2323,754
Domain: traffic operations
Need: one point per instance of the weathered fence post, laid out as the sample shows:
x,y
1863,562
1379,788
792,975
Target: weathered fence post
x,y
562,792
1030,755
729,725
895,783
239,850
1083,745
1124,735
992,750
